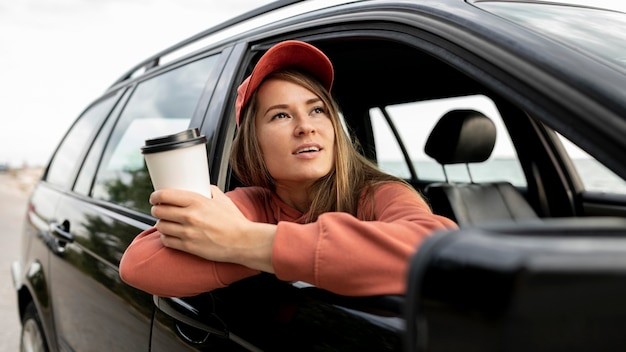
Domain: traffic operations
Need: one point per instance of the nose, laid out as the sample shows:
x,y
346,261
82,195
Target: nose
x,y
304,125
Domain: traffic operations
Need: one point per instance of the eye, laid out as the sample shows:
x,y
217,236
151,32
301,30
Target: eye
x,y
318,110
280,115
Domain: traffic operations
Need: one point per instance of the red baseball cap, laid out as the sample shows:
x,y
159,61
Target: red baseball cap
x,y
287,54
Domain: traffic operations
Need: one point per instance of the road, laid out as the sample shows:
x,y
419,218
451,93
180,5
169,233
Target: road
x,y
14,191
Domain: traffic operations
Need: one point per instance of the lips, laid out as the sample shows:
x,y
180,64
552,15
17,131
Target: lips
x,y
306,150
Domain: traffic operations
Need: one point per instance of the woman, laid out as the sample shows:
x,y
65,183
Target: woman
x,y
316,210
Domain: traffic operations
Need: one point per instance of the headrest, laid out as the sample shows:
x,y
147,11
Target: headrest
x,y
461,136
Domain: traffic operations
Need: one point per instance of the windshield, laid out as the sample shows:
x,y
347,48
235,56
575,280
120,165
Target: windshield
x,y
601,33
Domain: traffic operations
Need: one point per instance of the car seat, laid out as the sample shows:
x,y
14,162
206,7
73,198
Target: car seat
x,y
468,136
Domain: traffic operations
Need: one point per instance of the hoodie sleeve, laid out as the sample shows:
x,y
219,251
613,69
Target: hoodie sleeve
x,y
352,257
158,270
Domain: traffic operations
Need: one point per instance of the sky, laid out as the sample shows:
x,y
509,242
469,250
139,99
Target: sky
x,y
57,56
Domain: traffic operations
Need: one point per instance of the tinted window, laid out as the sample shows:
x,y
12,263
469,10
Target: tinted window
x,y
69,155
88,170
159,106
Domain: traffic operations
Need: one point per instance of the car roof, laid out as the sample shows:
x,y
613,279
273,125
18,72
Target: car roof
x,y
285,9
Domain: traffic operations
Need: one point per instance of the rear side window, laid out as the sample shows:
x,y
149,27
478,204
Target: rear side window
x,y
159,106
68,156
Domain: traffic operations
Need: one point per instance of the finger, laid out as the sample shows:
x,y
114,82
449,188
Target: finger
x,y
216,191
177,197
170,241
165,196
169,228
155,198
166,212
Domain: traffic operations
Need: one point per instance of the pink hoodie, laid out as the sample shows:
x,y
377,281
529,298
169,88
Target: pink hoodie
x,y
338,252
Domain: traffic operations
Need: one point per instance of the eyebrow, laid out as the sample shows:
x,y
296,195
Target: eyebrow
x,y
284,106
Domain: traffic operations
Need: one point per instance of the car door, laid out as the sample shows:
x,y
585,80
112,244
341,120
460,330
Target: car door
x,y
43,214
93,308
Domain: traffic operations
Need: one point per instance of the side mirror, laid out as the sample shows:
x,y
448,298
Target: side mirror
x,y
538,286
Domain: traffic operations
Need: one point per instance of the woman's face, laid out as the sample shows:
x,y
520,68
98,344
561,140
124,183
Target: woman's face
x,y
295,133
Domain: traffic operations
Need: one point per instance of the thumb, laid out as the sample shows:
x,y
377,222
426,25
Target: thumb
x,y
216,192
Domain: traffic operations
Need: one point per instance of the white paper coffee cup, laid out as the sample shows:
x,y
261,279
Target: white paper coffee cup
x,y
179,161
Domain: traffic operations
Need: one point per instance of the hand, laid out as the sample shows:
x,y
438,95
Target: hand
x,y
213,229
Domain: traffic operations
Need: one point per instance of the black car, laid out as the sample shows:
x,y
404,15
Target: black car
x,y
509,116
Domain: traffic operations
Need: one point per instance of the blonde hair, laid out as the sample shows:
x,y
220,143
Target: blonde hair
x,y
353,176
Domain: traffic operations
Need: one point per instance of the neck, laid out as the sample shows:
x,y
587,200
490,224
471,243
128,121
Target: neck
x,y
296,196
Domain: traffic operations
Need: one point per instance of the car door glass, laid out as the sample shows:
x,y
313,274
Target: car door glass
x,y
414,122
68,156
159,106
87,172
594,176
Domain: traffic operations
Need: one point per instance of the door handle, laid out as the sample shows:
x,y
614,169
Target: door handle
x,y
62,231
185,313
60,236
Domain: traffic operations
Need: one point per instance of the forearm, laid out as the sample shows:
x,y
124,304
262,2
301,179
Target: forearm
x,y
337,257
255,249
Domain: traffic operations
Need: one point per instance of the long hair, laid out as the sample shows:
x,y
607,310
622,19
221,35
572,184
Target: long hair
x,y
352,176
